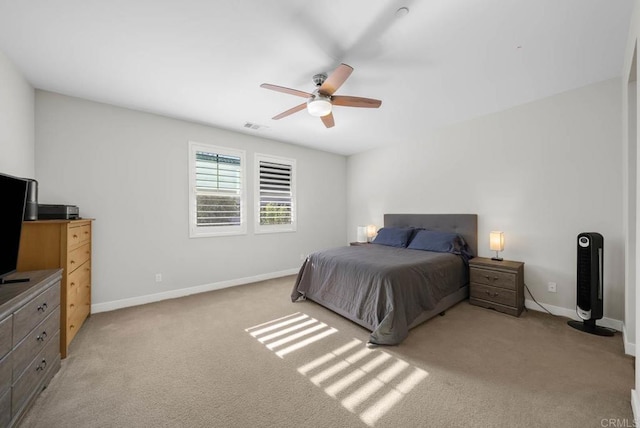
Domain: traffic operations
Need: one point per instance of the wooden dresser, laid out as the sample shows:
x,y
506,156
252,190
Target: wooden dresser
x,y
29,338
497,285
65,244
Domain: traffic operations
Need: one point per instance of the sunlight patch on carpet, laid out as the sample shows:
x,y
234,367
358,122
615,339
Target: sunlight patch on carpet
x,y
285,330
368,382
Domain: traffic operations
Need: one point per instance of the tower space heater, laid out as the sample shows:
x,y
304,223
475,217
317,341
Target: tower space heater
x,y
590,283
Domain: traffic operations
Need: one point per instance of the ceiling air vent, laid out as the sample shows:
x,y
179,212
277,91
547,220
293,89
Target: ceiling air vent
x,y
254,126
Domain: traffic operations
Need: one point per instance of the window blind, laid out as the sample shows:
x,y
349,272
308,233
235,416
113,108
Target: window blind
x,y
275,193
218,189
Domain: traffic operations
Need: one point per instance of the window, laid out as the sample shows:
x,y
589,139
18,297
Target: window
x,y
217,191
275,195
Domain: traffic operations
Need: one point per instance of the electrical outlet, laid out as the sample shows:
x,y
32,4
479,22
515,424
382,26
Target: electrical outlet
x,y
551,287
158,277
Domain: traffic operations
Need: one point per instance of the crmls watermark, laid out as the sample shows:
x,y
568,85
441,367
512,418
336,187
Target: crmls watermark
x,y
618,423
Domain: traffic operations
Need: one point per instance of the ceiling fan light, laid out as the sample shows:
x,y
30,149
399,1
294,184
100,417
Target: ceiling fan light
x,y
319,106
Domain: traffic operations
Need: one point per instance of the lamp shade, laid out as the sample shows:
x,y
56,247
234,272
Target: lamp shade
x,y
319,106
496,241
362,234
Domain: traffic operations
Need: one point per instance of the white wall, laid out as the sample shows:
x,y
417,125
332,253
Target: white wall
x,y
16,121
629,132
629,207
542,172
129,171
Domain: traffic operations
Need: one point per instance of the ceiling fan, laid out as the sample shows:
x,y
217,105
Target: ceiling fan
x,y
321,101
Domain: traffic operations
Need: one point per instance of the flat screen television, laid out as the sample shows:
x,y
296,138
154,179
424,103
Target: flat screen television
x,y
13,198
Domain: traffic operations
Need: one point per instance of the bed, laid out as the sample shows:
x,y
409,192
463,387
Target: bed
x,y
391,289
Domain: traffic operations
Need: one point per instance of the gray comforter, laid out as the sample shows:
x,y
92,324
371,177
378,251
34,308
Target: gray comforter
x,y
382,288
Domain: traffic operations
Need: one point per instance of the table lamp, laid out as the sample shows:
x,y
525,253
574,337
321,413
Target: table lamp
x,y
496,243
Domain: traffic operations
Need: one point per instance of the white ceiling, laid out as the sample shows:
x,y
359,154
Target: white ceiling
x,y
203,60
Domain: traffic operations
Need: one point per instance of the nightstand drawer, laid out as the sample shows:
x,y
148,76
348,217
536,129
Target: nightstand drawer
x,y
496,307
493,294
493,278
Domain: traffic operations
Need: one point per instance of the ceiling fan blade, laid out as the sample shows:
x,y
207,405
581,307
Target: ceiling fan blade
x,y
336,79
328,120
347,101
290,111
286,90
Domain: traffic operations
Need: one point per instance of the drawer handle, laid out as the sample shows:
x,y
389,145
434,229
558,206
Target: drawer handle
x,y
490,294
71,327
75,236
41,337
72,262
42,365
72,305
495,278
42,307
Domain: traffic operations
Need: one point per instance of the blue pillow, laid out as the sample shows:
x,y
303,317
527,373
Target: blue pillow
x,y
394,236
441,242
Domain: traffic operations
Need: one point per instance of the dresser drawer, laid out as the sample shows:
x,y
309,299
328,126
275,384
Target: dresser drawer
x,y
493,294
35,373
78,235
32,314
84,302
493,278
5,373
75,321
79,278
6,342
79,306
77,257
34,342
77,287
5,408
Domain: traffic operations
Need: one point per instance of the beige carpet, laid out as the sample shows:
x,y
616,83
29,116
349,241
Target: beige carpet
x,y
242,357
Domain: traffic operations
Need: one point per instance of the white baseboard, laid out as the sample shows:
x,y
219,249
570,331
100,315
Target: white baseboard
x,y
571,313
635,406
629,348
172,294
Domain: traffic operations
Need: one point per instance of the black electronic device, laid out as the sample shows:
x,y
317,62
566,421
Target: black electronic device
x,y
58,212
13,197
31,208
590,284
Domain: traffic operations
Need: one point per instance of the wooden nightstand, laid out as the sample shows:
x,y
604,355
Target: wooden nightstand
x,y
497,285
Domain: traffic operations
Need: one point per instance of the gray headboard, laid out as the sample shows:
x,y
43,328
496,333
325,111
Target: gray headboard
x,y
464,224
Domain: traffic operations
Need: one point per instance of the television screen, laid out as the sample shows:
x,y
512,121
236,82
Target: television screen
x,y
13,198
